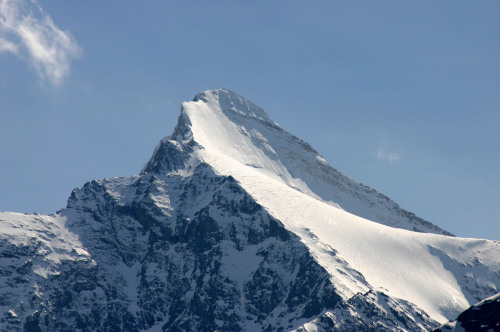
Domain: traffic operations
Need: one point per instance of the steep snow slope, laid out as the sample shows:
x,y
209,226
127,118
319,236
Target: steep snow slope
x,y
406,264
228,123
238,139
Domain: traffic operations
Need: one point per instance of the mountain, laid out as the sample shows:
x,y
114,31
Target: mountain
x,y
481,317
235,224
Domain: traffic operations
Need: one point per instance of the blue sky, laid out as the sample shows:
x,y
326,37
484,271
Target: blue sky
x,y
402,96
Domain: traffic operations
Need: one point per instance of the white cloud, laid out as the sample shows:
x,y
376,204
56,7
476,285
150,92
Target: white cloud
x,y
392,157
27,31
7,46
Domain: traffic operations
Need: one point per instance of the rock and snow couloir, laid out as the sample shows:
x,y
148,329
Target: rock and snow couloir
x,y
481,317
235,224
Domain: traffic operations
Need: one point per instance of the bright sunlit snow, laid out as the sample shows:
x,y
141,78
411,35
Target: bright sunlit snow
x,y
291,181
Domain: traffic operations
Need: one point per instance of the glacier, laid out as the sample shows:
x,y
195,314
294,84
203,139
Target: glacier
x,y
235,224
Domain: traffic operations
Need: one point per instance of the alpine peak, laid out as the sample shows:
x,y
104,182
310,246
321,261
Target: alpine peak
x,y
227,125
235,224
229,101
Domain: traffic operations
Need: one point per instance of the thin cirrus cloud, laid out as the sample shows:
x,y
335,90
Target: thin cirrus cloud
x,y
392,157
28,32
7,46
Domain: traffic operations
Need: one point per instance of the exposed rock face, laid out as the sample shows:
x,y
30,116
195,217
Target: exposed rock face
x,y
202,259
372,311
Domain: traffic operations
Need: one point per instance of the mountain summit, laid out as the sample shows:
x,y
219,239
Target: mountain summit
x,y
235,224
230,125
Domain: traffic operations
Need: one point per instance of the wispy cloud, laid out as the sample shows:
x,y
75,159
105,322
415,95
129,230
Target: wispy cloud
x,y
27,31
7,46
392,157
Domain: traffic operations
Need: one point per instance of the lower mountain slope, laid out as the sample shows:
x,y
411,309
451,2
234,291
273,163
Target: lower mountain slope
x,y
182,252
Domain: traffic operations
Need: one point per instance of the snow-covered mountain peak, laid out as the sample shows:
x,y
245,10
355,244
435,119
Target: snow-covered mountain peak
x,y
296,185
229,101
235,224
226,123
